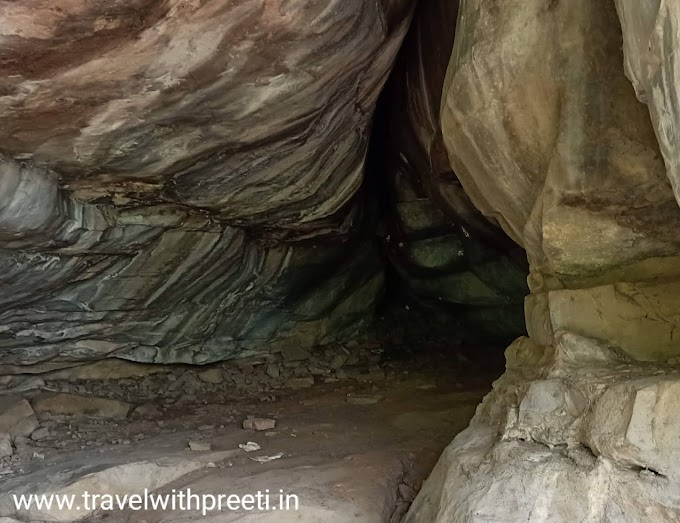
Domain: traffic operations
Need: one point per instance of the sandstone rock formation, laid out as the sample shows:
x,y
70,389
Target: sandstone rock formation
x,y
547,136
446,254
650,40
577,432
179,178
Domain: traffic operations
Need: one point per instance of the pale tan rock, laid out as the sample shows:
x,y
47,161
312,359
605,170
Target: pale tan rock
x,y
546,135
530,151
549,412
651,37
634,423
259,424
579,432
641,318
200,446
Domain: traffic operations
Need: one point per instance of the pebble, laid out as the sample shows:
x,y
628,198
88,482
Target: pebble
x,y
199,446
212,376
259,424
5,446
273,371
295,353
40,434
251,446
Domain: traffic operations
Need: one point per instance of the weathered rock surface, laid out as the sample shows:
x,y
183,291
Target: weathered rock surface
x,y
449,256
5,445
563,437
651,40
579,182
17,418
179,179
114,475
546,135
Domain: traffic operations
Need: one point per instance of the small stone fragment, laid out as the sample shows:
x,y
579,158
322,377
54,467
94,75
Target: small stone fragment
x,y
267,459
5,445
213,376
273,371
316,371
294,353
259,424
251,446
200,446
40,434
338,361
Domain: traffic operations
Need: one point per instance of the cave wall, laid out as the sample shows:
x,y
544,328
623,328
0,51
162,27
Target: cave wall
x,y
446,256
185,182
179,181
545,132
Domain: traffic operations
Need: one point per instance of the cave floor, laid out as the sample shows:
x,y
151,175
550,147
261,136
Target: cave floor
x,y
351,450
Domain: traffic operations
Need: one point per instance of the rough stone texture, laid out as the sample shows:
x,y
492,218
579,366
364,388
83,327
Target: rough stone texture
x,y
179,178
578,432
651,38
450,257
5,445
17,418
259,424
113,475
574,177
546,135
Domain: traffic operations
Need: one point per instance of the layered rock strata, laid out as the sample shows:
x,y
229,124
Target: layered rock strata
x,y
180,179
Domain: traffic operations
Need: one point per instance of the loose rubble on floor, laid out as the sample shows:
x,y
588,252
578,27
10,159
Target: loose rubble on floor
x,y
87,410
143,414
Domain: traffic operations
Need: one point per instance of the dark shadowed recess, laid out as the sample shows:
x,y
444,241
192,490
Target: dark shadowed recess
x,y
452,273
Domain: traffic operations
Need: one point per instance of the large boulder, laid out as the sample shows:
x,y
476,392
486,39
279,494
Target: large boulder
x,y
179,178
547,136
576,432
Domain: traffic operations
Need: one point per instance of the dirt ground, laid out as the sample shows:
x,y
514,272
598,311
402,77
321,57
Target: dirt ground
x,y
353,448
